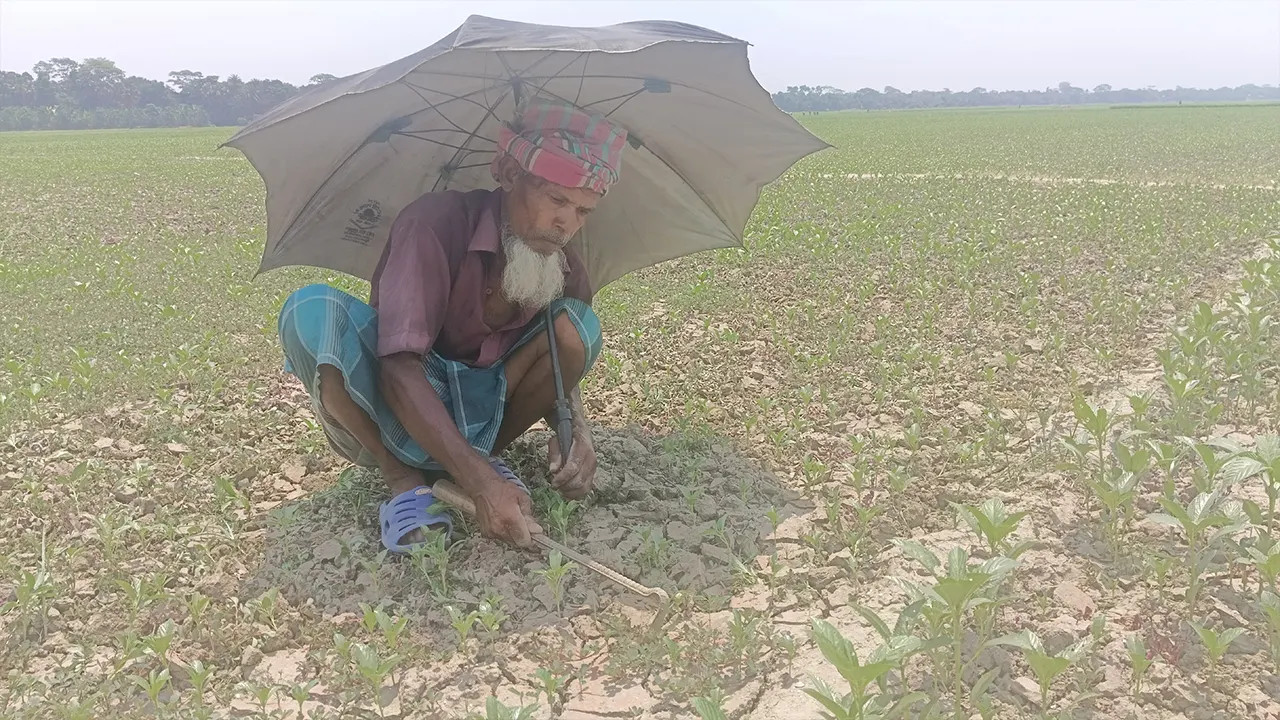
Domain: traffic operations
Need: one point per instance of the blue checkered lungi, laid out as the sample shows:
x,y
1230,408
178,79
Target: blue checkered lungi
x,y
320,324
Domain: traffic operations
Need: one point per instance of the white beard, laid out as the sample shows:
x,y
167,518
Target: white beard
x,y
530,278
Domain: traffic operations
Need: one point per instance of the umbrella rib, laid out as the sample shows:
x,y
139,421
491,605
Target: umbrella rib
x,y
627,97
557,74
582,79
475,165
513,75
442,130
460,148
465,98
437,106
673,83
489,112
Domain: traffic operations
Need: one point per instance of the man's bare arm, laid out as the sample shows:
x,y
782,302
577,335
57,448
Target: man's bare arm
x,y
418,407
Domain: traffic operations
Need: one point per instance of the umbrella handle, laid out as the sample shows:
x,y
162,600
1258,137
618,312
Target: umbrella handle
x,y
564,415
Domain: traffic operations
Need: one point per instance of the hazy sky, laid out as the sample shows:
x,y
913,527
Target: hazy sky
x,y
1022,44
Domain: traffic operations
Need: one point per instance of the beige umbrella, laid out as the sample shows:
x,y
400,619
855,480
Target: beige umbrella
x,y
341,160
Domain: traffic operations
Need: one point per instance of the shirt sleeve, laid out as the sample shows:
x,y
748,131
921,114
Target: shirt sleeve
x,y
413,290
577,284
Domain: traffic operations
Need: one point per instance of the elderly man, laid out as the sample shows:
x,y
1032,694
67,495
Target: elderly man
x,y
449,362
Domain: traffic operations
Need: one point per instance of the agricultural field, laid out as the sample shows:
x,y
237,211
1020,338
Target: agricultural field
x,y
980,422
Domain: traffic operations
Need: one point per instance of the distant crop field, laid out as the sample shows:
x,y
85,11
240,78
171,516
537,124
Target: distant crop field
x,y
980,421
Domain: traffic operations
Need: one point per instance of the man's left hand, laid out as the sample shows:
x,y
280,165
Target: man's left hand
x,y
574,477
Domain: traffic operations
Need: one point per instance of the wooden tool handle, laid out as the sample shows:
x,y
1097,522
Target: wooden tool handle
x,y
451,494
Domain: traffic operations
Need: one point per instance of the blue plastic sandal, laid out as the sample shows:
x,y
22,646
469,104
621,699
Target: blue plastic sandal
x,y
409,511
507,474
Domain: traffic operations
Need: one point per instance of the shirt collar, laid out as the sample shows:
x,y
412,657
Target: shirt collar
x,y
487,235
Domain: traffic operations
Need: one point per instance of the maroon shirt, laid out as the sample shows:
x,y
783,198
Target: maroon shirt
x,y
443,258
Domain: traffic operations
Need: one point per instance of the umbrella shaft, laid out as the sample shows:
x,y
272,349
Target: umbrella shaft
x,y
564,416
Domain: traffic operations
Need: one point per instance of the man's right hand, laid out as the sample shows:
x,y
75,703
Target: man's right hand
x,y
505,512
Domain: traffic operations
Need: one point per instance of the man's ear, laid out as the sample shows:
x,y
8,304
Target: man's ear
x,y
508,172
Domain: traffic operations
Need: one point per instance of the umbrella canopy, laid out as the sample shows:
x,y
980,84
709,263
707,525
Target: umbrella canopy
x,y
341,160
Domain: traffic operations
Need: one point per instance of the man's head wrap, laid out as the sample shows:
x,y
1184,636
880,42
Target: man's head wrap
x,y
564,144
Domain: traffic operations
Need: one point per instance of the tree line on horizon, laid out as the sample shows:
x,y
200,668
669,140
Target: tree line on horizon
x,y
63,94
803,98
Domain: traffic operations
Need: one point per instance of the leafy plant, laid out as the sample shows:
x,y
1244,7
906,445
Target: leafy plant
x,y
858,704
990,522
1204,520
1270,605
462,623
431,559
494,709
711,705
1215,643
960,592
1047,667
373,668
1139,661
554,574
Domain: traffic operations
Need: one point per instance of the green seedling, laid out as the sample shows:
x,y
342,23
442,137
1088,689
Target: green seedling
x,y
494,709
788,644
139,596
368,617
1205,477
991,523
260,693
1046,667
264,608
717,531
744,627
692,494
199,675
491,614
958,592
1264,555
153,684
1262,461
1215,643
300,693
554,574
342,646
1116,493
652,554
815,472
711,705
1270,605
774,518
1139,661
858,704
1098,424
129,648
462,624
32,597
197,604
431,559
1203,521
855,537
391,629
552,684
158,643
900,478
560,515
373,668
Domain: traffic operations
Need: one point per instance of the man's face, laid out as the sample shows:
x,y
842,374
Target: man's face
x,y
544,214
